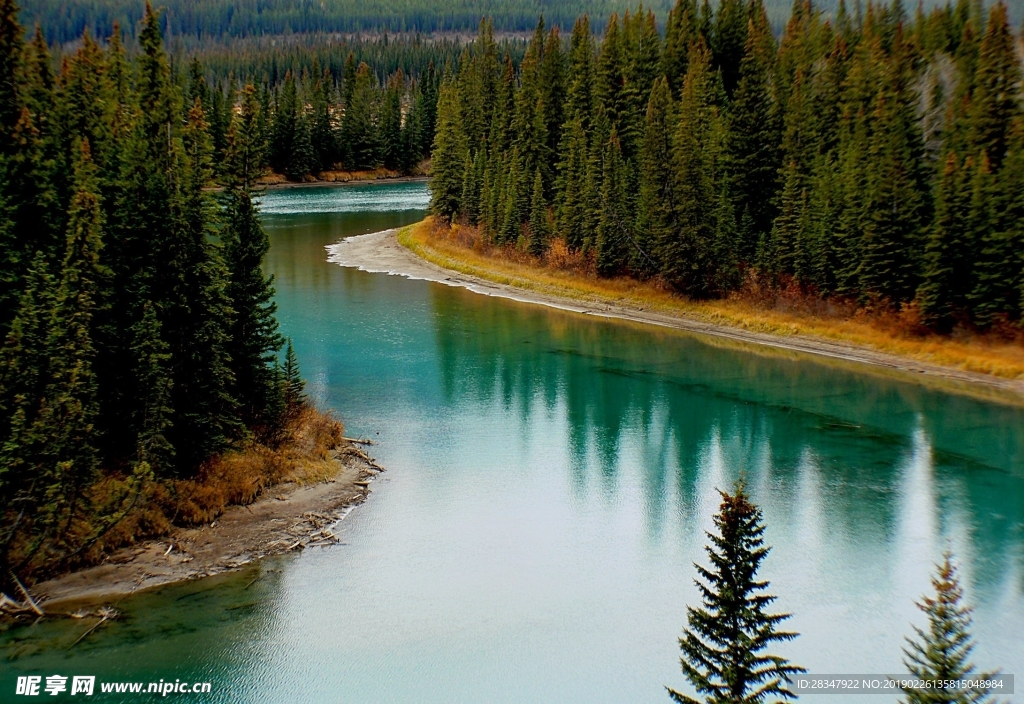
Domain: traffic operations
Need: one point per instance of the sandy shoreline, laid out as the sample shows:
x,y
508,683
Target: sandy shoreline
x,y
380,252
287,517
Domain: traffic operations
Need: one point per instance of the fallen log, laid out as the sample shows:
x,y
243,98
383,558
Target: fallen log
x,y
359,441
28,597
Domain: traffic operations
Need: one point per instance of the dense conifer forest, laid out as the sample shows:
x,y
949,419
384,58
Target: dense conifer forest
x,y
314,119
356,105
138,330
877,157
64,20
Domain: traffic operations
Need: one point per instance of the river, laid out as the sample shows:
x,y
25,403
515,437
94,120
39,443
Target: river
x,y
549,480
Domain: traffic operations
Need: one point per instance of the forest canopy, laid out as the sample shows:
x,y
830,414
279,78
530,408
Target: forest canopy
x,y
138,337
877,158
66,20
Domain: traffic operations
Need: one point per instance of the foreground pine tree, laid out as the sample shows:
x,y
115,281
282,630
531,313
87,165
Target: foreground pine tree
x,y
941,652
724,646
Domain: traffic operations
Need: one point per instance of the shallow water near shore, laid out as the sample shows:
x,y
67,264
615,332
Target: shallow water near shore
x,y
549,480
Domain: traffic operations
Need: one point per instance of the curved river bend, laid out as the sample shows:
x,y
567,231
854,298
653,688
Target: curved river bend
x,y
550,478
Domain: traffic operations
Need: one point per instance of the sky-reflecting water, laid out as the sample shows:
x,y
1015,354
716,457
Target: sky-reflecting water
x,y
550,478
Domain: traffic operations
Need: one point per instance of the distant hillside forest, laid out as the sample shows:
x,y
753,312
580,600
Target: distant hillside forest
x,y
878,158
65,20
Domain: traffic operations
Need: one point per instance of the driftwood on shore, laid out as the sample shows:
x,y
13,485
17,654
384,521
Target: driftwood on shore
x,y
9,605
360,441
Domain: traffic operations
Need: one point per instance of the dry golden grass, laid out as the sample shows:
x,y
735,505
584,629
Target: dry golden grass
x,y
238,477
787,313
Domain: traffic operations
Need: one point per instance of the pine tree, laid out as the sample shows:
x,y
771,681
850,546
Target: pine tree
x,y
514,201
552,75
783,253
571,205
321,131
254,339
529,123
753,138
24,373
390,139
287,116
609,84
995,102
941,652
728,41
579,97
150,414
11,52
294,386
358,126
471,205
686,253
245,142
614,228
642,65
898,197
57,450
948,271
681,32
540,233
194,306
656,210
449,155
302,160
724,645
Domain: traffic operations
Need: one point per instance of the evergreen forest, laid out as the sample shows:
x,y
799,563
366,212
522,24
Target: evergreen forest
x,y
66,20
320,117
877,157
138,336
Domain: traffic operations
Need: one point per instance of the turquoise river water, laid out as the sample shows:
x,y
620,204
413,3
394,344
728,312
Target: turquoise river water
x,y
549,480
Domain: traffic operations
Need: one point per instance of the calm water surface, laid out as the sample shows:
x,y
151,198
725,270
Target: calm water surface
x,y
549,480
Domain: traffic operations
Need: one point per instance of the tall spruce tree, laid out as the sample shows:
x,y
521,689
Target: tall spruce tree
x,y
996,100
11,53
657,207
724,647
948,272
449,155
24,375
294,386
681,32
52,446
754,136
898,195
571,205
941,651
195,307
614,226
287,116
391,123
728,41
358,126
687,251
254,339
540,233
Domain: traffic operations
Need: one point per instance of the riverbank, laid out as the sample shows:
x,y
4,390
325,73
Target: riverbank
x,y
418,252
342,178
291,498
